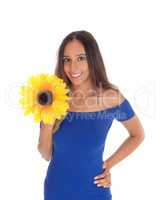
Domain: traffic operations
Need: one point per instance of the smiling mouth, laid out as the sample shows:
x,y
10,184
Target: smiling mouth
x,y
76,75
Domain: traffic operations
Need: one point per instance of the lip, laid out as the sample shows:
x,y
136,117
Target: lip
x,y
76,76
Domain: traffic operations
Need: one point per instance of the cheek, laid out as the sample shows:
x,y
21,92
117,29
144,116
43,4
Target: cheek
x,y
84,67
86,72
66,69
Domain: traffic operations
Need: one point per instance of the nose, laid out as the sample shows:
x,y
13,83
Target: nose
x,y
74,67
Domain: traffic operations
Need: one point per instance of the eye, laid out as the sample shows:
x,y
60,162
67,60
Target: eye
x,y
81,58
66,60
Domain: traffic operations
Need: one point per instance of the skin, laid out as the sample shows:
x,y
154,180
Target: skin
x,y
45,141
84,98
75,61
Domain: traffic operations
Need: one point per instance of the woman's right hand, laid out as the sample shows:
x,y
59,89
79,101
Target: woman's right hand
x,y
47,126
53,127
45,140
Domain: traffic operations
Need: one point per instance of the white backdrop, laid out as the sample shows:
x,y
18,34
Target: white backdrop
x,y
128,34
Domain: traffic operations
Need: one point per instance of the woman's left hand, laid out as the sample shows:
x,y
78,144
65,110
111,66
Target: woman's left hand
x,y
103,179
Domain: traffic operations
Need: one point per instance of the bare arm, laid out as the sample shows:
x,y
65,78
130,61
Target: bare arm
x,y
136,136
45,140
135,131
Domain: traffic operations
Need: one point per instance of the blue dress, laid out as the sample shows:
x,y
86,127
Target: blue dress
x,y
77,156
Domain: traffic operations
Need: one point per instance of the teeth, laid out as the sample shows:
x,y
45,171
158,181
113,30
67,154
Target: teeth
x,y
75,75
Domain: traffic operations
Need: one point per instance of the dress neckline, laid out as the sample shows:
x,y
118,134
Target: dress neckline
x,y
102,110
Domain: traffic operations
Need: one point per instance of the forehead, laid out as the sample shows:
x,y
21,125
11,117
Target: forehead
x,y
74,48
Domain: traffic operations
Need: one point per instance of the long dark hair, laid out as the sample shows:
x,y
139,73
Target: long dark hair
x,y
95,62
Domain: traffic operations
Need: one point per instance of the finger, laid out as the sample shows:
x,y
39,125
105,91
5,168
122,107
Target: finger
x,y
107,185
105,173
105,176
103,180
104,184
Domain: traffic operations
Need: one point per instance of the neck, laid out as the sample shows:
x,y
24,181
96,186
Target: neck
x,y
83,90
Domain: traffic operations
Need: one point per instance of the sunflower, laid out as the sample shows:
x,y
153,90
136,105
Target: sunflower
x,y
45,96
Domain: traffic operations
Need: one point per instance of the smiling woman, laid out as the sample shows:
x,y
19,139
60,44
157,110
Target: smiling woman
x,y
80,61
76,146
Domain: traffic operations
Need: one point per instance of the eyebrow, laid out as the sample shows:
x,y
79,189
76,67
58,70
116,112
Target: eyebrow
x,y
77,55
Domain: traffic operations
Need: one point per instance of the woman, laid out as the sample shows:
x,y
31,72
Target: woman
x,y
76,170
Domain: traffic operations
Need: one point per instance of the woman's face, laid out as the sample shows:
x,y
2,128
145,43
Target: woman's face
x,y
75,63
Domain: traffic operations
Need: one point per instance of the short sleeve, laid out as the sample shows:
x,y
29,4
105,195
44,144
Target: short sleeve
x,y
124,111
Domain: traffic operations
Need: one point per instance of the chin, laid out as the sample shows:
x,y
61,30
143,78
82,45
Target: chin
x,y
76,83
79,81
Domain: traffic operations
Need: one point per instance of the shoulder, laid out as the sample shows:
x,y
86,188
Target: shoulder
x,y
112,98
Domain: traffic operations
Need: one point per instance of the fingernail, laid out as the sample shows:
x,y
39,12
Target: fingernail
x,y
95,177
